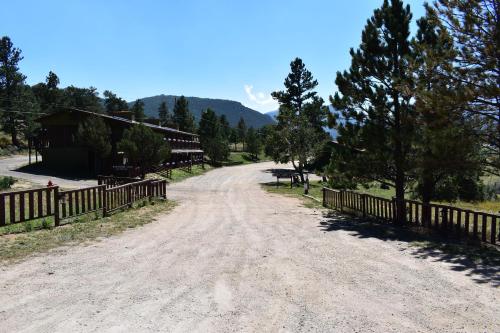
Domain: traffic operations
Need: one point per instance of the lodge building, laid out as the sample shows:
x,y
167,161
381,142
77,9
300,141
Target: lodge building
x,y
60,151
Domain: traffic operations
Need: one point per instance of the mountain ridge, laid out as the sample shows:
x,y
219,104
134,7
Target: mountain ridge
x,y
232,109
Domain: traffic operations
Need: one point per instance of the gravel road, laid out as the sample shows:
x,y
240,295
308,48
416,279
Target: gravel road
x,y
233,258
9,166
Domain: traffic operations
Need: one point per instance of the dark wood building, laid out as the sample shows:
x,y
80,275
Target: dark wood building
x,y
58,145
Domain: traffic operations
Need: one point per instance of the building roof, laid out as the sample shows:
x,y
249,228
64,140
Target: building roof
x,y
115,118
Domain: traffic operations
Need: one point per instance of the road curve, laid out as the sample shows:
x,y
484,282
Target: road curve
x,y
233,258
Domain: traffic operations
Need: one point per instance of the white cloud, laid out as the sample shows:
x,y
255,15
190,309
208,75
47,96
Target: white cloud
x,y
259,98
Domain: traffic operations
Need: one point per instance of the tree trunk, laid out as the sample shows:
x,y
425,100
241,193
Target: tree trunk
x,y
399,164
13,134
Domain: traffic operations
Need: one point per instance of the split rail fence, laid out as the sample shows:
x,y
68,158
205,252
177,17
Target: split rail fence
x,y
455,221
28,205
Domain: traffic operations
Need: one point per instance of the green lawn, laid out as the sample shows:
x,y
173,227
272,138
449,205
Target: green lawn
x,y
181,174
491,206
283,188
241,158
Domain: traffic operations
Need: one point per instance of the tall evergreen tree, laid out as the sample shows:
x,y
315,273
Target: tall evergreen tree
x,y
48,94
113,103
475,28
254,144
138,110
375,100
447,151
183,118
164,115
300,120
212,139
11,82
242,131
82,98
226,129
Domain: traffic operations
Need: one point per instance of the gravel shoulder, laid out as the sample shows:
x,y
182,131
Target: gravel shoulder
x,y
232,257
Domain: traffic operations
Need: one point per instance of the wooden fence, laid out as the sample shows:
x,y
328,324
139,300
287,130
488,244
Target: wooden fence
x,y
112,181
28,205
451,220
81,201
22,206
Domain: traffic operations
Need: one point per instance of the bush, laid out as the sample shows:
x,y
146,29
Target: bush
x,y
6,182
4,142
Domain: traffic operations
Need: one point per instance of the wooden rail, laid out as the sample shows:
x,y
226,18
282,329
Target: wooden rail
x,y
112,181
22,206
81,201
448,219
28,205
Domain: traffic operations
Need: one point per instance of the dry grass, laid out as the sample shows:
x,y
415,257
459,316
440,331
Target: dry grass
x,y
15,246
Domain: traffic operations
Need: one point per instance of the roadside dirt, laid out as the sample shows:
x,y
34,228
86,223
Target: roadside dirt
x,y
233,258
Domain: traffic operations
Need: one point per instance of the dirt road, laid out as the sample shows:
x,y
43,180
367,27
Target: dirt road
x,y
233,258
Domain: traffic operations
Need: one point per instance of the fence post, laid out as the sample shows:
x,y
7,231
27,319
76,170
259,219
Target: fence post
x,y
363,204
341,201
149,189
426,215
104,201
324,194
56,206
394,210
129,194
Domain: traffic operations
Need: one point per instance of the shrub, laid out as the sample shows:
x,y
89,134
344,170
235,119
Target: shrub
x,y
6,182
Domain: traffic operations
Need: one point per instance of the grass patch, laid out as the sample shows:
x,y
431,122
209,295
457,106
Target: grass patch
x,y
283,188
490,206
41,236
181,174
242,158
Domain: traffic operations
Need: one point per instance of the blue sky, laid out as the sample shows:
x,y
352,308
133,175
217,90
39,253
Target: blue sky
x,y
229,49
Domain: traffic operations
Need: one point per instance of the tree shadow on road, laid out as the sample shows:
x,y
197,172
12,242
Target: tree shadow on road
x,y
480,263
40,170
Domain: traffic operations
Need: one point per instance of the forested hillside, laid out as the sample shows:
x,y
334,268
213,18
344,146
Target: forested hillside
x,y
231,109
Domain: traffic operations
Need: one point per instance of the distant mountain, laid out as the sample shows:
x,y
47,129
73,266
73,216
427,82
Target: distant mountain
x,y
233,110
273,114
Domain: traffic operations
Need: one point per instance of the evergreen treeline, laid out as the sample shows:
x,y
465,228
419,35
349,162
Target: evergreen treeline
x,y
417,113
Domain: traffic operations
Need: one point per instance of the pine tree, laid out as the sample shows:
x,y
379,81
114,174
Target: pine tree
x,y
447,152
164,115
143,148
254,144
138,110
242,131
183,118
226,129
48,94
300,120
82,98
475,28
11,82
374,99
113,103
93,133
212,139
